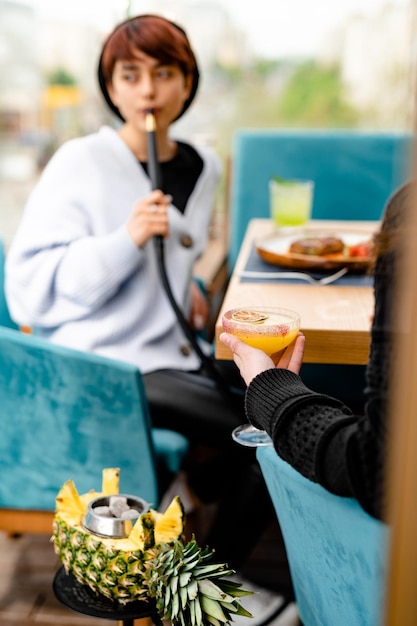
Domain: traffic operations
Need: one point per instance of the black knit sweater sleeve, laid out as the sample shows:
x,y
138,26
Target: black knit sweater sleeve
x,y
299,421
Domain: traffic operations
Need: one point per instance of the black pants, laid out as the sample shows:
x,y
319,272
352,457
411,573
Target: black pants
x,y
190,403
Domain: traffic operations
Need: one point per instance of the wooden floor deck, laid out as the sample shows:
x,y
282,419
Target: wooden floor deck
x,y
28,566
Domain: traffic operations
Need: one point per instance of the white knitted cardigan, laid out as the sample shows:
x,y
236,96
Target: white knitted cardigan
x,y
74,275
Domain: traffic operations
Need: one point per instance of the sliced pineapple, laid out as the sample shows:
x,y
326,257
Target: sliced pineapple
x,y
143,530
154,527
169,525
110,484
68,503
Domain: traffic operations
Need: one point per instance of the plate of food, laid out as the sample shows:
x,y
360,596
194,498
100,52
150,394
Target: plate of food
x,y
319,250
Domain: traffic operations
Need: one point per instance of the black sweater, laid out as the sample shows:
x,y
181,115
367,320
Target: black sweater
x,y
318,435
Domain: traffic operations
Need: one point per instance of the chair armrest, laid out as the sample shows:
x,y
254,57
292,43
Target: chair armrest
x,y
170,448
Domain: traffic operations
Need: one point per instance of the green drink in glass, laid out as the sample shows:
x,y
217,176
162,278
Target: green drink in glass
x,y
291,202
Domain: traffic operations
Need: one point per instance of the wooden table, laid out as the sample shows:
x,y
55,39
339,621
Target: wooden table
x,y
335,319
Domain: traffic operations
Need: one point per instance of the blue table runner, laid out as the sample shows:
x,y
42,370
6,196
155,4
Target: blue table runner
x,y
256,264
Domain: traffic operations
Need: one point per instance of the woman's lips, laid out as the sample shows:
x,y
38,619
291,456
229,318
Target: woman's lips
x,y
150,110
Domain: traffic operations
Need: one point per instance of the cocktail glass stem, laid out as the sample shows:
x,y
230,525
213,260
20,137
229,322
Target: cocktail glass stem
x,y
248,435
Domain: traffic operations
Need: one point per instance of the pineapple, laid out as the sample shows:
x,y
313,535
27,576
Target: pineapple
x,y
158,527
111,481
69,502
189,589
110,566
152,562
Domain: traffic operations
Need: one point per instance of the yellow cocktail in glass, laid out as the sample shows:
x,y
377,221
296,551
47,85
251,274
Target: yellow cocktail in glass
x,y
269,329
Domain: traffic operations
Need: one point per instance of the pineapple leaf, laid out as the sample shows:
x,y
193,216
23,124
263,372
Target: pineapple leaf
x,y
175,606
201,571
183,597
196,613
242,611
219,573
174,584
209,589
229,606
213,620
192,589
213,608
233,588
167,595
185,578
191,608
198,610
191,564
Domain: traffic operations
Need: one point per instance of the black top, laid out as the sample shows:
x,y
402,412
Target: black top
x,y
318,435
180,174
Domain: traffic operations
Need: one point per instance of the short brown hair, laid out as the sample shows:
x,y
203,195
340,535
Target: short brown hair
x,y
155,36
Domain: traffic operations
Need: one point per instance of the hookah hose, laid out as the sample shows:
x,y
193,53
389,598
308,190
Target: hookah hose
x,y
156,180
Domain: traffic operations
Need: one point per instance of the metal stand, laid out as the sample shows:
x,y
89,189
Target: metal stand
x,y
82,599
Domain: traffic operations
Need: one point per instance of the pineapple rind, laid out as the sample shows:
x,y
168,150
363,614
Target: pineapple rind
x,y
113,570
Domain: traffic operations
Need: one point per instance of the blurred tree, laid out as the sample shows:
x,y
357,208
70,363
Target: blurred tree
x,y
314,97
61,76
278,94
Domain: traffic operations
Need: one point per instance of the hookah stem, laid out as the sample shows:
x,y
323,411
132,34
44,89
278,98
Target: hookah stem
x,y
156,181
153,163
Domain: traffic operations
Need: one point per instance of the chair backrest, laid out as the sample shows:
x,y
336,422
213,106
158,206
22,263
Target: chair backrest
x,y
354,172
5,319
69,414
336,552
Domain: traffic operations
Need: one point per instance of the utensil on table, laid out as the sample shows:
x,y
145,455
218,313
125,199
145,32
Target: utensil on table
x,y
326,280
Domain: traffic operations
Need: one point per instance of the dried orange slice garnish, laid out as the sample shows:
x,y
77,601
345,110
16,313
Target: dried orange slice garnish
x,y
245,315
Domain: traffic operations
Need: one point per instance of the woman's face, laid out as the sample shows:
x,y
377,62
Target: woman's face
x,y
142,83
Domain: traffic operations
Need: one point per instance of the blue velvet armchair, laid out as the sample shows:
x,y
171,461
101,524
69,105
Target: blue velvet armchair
x,y
336,552
5,319
69,414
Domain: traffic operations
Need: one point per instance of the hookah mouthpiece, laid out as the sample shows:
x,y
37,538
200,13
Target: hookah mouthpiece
x,y
153,163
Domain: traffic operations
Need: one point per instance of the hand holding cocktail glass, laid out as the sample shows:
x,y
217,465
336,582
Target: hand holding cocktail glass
x,y
262,338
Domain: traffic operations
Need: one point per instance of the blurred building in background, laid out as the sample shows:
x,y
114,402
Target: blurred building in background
x,y
377,54
20,88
